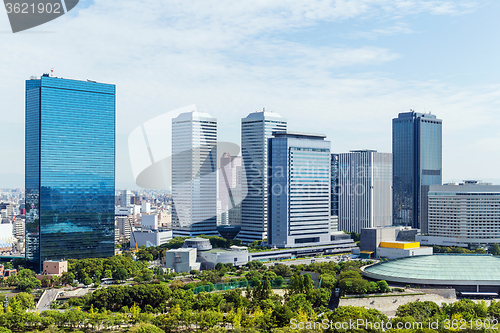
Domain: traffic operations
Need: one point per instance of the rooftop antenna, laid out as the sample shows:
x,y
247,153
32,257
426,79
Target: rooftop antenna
x,y
263,109
52,72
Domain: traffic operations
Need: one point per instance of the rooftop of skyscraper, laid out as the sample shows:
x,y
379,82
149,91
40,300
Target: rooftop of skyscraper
x,y
413,114
193,114
363,151
263,114
298,135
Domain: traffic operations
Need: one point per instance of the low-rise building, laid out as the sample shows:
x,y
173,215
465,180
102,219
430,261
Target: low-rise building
x,y
53,267
182,260
395,249
390,242
5,273
236,255
150,237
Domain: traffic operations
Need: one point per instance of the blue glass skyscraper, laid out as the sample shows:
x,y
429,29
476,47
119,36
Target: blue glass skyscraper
x,y
70,169
417,164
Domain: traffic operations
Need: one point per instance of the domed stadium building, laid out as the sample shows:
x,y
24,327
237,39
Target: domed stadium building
x,y
468,273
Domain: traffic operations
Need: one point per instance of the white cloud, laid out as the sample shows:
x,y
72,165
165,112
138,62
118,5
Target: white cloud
x,y
400,28
234,57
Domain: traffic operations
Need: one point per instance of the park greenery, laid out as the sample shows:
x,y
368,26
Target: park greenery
x,y
161,308
493,249
267,299
165,302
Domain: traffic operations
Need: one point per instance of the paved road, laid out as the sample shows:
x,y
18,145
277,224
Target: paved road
x,y
47,298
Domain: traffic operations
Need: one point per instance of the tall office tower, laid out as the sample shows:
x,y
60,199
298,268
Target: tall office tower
x,y
70,169
126,198
230,188
194,176
334,197
417,164
256,129
299,190
365,190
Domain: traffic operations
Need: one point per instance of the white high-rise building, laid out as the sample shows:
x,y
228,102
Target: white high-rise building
x,y
194,176
256,129
146,208
230,191
364,190
125,198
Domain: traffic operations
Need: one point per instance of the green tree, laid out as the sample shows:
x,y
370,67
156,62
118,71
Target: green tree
x,y
495,249
373,287
87,281
421,311
328,281
494,309
25,300
255,264
25,279
121,274
145,328
281,316
353,313
299,302
68,277
383,287
282,270
108,274
211,276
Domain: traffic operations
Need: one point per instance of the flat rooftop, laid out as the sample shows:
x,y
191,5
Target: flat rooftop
x,y
182,249
298,135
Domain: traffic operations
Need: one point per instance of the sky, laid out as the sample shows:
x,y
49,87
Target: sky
x,y
341,68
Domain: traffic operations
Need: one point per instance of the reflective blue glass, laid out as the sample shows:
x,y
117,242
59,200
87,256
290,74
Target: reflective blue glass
x,y
417,163
70,169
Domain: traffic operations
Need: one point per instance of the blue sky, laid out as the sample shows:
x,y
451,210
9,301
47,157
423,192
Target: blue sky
x,y
341,68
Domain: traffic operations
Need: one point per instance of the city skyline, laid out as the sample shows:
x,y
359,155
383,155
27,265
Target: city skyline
x,y
338,70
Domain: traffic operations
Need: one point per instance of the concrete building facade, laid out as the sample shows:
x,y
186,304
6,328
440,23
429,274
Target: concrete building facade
x,y
256,129
469,212
299,190
364,190
194,176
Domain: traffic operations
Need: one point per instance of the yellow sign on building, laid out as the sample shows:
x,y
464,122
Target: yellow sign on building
x,y
400,245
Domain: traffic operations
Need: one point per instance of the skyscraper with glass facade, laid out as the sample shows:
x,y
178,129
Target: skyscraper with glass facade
x,y
334,202
70,169
256,129
364,190
334,166
194,174
417,164
299,190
